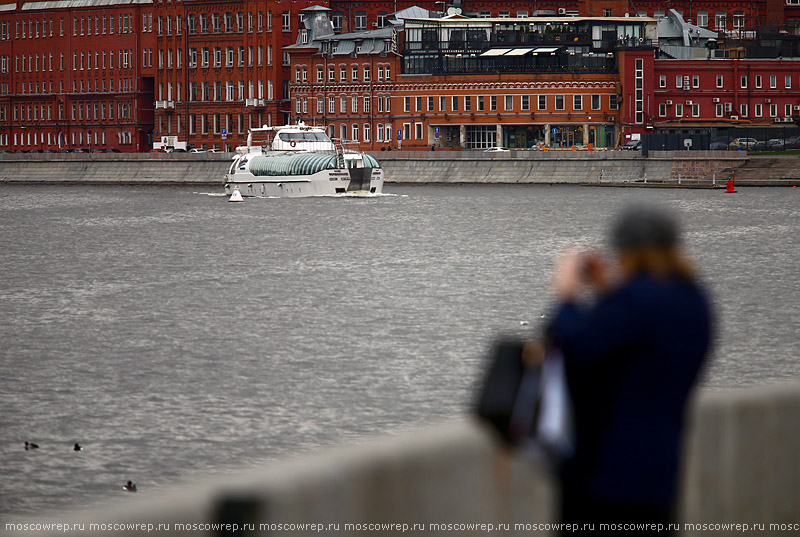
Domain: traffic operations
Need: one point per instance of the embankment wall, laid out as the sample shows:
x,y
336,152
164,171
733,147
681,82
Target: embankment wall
x,y
741,467
416,167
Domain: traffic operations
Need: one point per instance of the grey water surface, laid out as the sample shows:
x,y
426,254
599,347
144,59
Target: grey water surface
x,y
177,336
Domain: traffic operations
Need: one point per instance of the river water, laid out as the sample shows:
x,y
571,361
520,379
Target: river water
x,y
175,335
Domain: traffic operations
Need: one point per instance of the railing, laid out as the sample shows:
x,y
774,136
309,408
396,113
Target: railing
x,y
166,105
258,103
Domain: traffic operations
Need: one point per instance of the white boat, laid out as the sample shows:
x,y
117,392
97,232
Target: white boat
x,y
299,161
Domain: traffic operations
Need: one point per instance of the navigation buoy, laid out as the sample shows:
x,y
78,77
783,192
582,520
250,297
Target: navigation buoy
x,y
236,195
729,187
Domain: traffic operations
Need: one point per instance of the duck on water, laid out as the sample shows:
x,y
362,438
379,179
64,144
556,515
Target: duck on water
x,y
300,161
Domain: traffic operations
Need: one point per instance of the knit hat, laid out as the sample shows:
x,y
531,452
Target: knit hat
x,y
644,226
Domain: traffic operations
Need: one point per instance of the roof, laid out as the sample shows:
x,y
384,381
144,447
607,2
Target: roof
x,y
413,12
314,8
66,4
531,20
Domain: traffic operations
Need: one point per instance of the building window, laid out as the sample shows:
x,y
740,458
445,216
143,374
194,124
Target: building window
x,y
379,133
480,103
320,74
343,74
719,110
758,81
738,21
286,22
559,102
467,103
542,102
773,110
493,103
366,73
787,82
355,132
418,104
743,110
662,81
743,81
525,103
595,102
720,20
577,102
361,20
702,18
508,104
607,12
354,74
720,80
382,18
678,81
695,81
430,104
454,103
695,110
678,110
758,110
354,107
787,110
773,81
662,110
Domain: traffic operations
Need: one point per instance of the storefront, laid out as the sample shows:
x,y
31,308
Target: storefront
x,y
522,136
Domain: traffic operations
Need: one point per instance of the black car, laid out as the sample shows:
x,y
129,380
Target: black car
x,y
633,145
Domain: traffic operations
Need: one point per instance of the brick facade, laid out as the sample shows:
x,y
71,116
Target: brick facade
x,y
76,76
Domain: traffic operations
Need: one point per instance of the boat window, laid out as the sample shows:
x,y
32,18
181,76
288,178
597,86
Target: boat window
x,y
301,136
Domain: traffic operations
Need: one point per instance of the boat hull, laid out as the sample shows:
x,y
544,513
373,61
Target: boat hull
x,y
323,183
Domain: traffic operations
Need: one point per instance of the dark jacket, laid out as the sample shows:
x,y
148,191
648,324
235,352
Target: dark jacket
x,y
631,361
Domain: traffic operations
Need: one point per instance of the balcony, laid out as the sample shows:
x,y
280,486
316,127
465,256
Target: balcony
x,y
255,103
165,105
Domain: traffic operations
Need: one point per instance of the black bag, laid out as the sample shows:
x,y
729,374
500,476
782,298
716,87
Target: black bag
x,y
525,398
510,392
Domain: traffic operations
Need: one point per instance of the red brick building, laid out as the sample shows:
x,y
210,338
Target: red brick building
x,y
712,93
471,83
221,68
76,76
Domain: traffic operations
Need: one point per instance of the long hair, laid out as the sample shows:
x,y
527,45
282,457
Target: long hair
x,y
662,262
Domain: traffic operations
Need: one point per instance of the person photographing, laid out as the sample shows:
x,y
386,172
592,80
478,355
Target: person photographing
x,y
635,331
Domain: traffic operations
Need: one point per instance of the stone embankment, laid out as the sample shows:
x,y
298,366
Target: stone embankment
x,y
679,168
741,474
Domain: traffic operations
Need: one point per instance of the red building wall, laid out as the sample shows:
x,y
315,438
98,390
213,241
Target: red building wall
x,y
76,77
244,52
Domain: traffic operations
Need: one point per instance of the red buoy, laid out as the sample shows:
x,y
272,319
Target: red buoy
x,y
729,187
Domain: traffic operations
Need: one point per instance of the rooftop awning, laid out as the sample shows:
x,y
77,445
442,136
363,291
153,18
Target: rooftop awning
x,y
495,52
545,50
518,51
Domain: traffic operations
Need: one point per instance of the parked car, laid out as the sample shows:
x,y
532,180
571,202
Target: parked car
x,y
743,143
495,150
718,146
212,150
775,144
633,145
196,150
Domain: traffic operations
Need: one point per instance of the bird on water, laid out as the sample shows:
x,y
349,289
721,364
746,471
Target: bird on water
x,y
77,447
130,486
31,445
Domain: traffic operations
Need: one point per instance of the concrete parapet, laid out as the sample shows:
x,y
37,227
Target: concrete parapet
x,y
741,467
416,167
